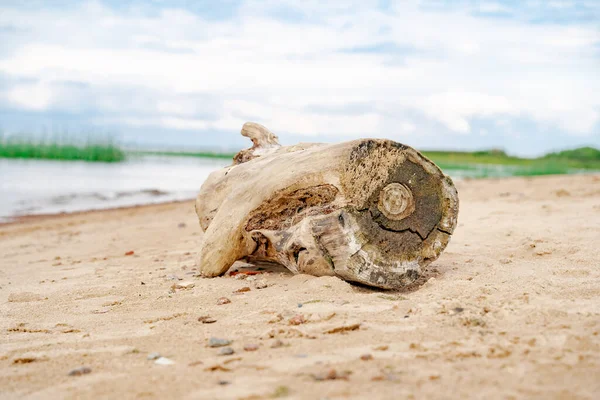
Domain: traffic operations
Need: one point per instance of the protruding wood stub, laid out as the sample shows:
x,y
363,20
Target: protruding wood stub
x,y
263,142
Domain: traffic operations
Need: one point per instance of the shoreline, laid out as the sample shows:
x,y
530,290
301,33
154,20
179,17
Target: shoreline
x,y
43,216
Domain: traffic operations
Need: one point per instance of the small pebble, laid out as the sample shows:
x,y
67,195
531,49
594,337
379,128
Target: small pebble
x,y
332,374
382,347
181,225
251,347
216,342
226,351
299,305
184,285
153,356
261,284
80,371
223,300
277,343
240,277
297,319
163,361
366,357
251,278
223,383
242,290
129,253
207,319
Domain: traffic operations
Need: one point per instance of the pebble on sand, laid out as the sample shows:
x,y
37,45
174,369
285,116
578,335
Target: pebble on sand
x,y
184,285
261,284
153,356
297,319
164,361
216,342
226,351
331,374
223,300
80,371
366,357
206,319
251,347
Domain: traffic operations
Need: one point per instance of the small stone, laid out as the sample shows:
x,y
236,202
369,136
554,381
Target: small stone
x,y
153,356
251,278
297,319
277,344
181,225
240,277
216,342
130,253
343,328
164,361
299,305
382,347
242,290
251,347
184,285
205,319
261,284
366,357
226,351
331,374
223,300
80,371
25,360
223,383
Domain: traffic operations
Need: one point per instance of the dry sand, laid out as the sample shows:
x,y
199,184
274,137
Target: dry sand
x,y
510,310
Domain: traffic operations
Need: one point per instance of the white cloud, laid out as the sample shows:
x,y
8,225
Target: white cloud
x,y
31,96
253,66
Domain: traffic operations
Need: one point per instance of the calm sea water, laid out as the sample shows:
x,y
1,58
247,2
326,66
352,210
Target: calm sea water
x,y
40,187
29,187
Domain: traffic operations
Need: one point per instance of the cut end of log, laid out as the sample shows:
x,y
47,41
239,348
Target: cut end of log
x,y
396,201
370,211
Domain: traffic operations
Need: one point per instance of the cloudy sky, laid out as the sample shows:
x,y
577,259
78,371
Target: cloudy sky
x,y
521,75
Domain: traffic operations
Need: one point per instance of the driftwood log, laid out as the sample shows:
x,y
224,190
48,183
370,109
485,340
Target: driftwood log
x,y
371,210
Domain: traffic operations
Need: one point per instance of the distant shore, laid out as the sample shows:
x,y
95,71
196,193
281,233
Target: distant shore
x,y
483,164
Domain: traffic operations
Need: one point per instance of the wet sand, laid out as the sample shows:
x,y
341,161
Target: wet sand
x,y
510,310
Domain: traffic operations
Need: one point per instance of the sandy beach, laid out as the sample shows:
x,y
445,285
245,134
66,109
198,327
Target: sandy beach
x,y
510,310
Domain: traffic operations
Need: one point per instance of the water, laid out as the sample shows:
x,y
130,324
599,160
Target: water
x,y
30,187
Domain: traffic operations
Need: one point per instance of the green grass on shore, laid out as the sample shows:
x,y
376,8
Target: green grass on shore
x,y
55,150
498,163
477,164
200,154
